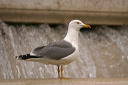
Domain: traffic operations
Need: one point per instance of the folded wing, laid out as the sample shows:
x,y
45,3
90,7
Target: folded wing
x,y
56,50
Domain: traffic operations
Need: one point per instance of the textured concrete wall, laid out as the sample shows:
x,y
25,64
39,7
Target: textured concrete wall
x,y
112,12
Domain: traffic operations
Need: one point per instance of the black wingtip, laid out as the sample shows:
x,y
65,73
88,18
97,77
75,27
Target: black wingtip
x,y
16,57
25,57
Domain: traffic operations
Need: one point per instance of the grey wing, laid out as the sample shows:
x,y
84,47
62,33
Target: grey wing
x,y
58,52
55,50
38,51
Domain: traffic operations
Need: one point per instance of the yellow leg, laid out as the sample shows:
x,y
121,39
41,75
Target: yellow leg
x,y
59,72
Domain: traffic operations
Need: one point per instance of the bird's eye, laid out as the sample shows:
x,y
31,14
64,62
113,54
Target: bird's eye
x,y
78,22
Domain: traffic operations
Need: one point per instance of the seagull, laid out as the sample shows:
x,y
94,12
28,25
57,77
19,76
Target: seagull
x,y
61,52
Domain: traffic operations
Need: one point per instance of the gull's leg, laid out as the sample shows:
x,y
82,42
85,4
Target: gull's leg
x,y
62,76
59,71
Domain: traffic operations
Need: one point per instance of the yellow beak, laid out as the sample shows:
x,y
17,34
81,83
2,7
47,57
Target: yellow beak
x,y
86,26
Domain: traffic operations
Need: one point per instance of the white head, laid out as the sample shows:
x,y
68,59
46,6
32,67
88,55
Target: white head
x,y
77,24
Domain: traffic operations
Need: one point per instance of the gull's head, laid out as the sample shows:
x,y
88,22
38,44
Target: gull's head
x,y
77,24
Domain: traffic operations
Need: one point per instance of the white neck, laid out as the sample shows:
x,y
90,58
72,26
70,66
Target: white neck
x,y
72,37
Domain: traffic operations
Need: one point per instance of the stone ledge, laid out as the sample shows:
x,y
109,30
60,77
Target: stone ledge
x,y
58,17
77,81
